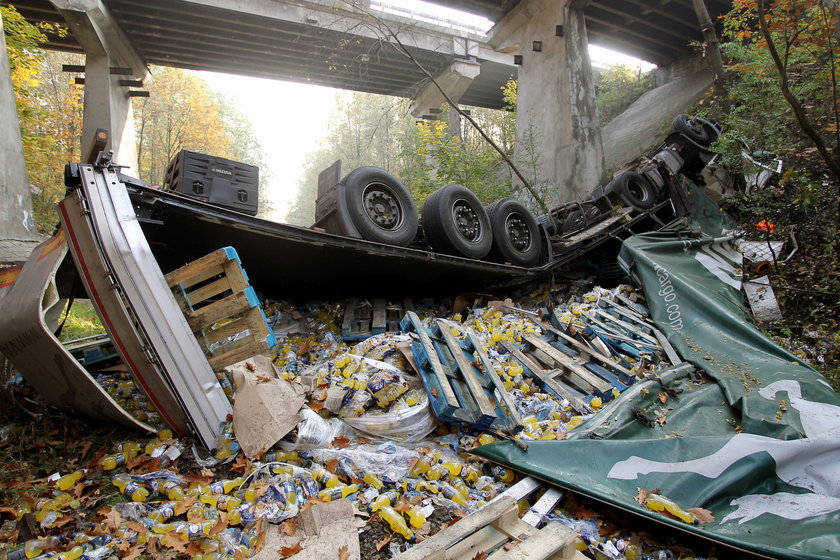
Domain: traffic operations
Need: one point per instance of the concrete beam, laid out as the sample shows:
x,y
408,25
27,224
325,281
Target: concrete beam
x,y
557,127
16,220
454,80
107,104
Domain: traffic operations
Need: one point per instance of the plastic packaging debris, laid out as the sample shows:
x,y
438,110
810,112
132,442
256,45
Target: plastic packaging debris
x,y
314,431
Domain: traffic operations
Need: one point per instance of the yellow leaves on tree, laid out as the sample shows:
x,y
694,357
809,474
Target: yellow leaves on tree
x,y
181,113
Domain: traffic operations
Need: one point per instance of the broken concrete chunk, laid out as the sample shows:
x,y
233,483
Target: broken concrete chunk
x,y
266,408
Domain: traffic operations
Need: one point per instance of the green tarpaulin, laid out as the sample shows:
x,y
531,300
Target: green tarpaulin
x,y
755,439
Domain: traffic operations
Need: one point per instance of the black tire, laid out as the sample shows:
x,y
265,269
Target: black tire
x,y
516,235
548,223
578,218
456,223
697,129
380,206
634,189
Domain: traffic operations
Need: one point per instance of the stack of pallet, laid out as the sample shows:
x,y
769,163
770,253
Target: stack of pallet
x,y
221,308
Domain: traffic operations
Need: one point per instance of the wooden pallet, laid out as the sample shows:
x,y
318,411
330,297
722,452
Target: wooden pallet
x,y
221,308
495,532
461,382
363,318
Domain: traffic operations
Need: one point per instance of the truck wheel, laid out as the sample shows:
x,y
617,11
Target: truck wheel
x,y
380,206
697,129
455,222
516,235
634,189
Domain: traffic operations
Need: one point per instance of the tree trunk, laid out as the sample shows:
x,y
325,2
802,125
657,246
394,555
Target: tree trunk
x,y
712,48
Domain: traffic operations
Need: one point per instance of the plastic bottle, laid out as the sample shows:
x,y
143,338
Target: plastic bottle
x,y
373,480
68,481
420,467
503,474
129,449
71,554
111,462
655,502
338,492
383,500
130,489
415,517
30,549
290,491
396,522
221,501
436,472
163,513
225,486
169,488
454,467
450,492
282,456
325,477
461,486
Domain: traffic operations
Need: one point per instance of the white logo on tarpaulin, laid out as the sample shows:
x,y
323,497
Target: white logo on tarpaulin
x,y
812,462
721,261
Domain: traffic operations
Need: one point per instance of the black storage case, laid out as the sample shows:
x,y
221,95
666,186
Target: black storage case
x,y
215,180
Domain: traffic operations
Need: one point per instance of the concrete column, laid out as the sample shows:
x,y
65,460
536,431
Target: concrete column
x,y
455,80
16,220
557,127
107,103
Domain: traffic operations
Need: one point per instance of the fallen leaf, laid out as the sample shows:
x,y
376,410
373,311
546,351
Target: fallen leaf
x,y
459,513
703,515
288,527
263,379
331,465
434,392
113,519
289,551
663,397
383,543
140,528
84,446
316,405
260,529
661,420
241,464
480,555
363,440
642,496
304,348
134,552
402,505
344,552
250,366
194,549
122,545
560,435
341,442
182,506
174,541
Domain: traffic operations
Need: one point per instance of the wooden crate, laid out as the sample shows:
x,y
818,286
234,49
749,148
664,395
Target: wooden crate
x,y
221,308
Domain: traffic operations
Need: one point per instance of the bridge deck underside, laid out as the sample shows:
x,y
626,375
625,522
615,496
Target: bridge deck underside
x,y
199,37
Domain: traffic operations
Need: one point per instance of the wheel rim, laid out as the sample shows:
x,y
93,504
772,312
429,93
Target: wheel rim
x,y
466,220
518,233
381,206
637,190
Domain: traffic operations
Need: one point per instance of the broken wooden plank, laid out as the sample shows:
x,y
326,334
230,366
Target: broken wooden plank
x,y
490,372
428,356
573,366
549,384
584,349
475,385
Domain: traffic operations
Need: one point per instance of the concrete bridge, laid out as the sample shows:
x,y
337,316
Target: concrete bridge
x,y
355,44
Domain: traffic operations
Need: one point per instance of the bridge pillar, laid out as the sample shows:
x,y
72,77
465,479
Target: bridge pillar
x,y
557,127
17,226
454,80
109,59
